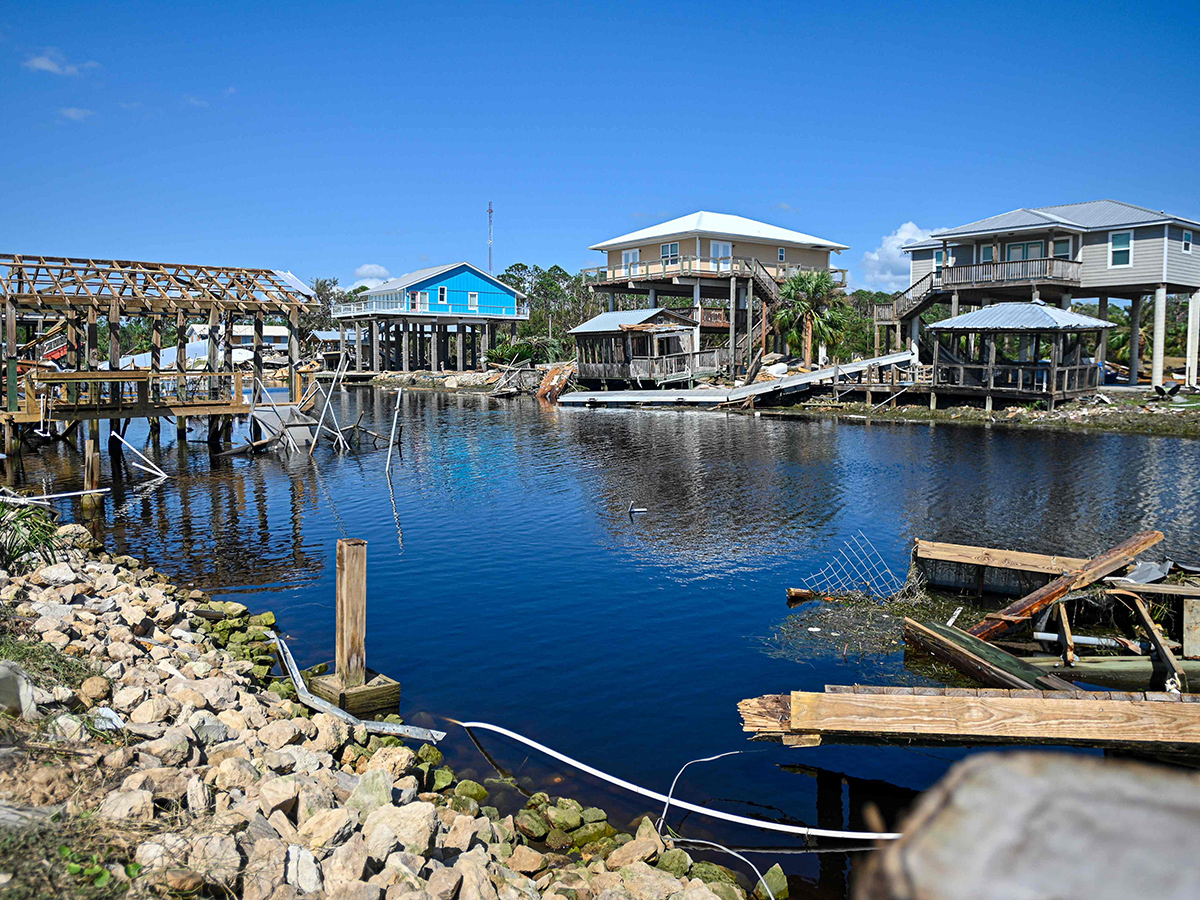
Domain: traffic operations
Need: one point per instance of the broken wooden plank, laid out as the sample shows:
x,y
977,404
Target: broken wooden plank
x,y
1104,564
1176,680
975,658
1000,559
766,715
1171,590
1065,638
1013,719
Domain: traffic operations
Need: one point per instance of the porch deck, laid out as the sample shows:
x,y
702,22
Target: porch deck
x,y
696,266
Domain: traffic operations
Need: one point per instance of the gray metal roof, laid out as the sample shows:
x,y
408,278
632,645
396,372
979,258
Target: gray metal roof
x,y
1036,316
1093,215
405,281
613,321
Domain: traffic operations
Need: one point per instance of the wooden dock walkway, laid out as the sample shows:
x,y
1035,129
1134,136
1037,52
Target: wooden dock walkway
x,y
716,396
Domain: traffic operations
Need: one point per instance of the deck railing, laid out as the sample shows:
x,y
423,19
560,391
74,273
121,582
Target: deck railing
x,y
699,265
129,390
672,367
381,306
1029,377
1018,270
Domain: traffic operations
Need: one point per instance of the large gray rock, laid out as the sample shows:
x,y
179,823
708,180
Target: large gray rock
x,y
57,575
444,884
303,872
265,870
127,806
208,728
16,692
216,858
413,825
328,828
173,748
278,793
373,791
646,883
397,761
165,783
476,885
347,864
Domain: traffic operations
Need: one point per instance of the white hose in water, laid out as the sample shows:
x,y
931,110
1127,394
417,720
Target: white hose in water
x,y
662,798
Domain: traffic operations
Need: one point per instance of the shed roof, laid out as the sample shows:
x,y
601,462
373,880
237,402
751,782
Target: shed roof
x,y
412,278
1092,215
721,225
618,319
1035,316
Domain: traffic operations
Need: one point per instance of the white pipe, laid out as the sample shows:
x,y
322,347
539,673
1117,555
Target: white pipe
x,y
154,470
699,810
387,469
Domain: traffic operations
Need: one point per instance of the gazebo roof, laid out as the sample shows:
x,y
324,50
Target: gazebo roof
x,y
1030,317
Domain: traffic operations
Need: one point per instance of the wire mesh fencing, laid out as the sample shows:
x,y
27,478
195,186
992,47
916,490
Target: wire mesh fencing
x,y
857,567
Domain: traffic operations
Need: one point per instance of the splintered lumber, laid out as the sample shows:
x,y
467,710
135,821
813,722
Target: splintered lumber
x,y
1000,559
995,624
981,832
977,659
1014,718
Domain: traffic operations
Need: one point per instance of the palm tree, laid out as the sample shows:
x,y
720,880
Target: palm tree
x,y
805,308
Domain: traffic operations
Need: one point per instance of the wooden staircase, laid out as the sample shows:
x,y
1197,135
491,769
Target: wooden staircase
x,y
912,301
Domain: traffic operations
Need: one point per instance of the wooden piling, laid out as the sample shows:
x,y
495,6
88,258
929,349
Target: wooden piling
x,y
91,473
351,612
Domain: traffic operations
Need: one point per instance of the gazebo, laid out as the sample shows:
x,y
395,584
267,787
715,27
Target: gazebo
x,y
1017,351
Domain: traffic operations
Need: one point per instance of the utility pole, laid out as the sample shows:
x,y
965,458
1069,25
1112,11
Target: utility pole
x,y
489,237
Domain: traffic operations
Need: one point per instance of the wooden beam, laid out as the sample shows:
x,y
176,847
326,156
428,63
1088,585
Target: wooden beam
x,y
1065,638
1033,720
1123,673
1177,679
976,658
351,659
1104,564
1000,559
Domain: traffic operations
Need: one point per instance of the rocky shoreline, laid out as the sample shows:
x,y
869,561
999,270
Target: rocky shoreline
x,y
478,382
154,725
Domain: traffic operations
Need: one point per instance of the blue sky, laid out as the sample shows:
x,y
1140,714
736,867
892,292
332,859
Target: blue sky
x,y
324,138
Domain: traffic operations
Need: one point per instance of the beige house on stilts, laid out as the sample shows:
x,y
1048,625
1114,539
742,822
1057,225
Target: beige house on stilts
x,y
721,263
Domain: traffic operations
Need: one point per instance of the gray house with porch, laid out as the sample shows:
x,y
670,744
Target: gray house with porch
x,y
1100,249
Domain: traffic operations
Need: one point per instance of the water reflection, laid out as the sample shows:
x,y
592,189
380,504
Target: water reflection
x,y
507,583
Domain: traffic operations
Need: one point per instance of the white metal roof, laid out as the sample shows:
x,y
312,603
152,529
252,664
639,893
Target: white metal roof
x,y
720,225
1035,316
404,281
1093,215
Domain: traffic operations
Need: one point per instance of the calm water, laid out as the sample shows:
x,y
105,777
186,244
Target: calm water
x,y
507,584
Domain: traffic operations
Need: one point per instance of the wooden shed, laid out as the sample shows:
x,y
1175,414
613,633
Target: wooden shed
x,y
644,347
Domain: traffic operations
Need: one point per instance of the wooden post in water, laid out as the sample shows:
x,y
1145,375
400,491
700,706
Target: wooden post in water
x,y
181,369
351,660
91,474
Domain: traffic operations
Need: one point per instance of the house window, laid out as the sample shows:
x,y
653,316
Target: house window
x,y
412,300
987,253
1120,249
782,255
720,249
1062,248
442,294
423,301
939,258
670,252
473,300
1187,242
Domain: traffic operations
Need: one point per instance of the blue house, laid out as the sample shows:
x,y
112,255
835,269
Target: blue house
x,y
442,317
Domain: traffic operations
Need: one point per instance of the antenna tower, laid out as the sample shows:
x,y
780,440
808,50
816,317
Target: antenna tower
x,y
489,237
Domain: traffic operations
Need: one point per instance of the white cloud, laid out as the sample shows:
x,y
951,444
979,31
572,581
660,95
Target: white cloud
x,y
886,268
192,100
75,114
371,270
371,283
55,63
